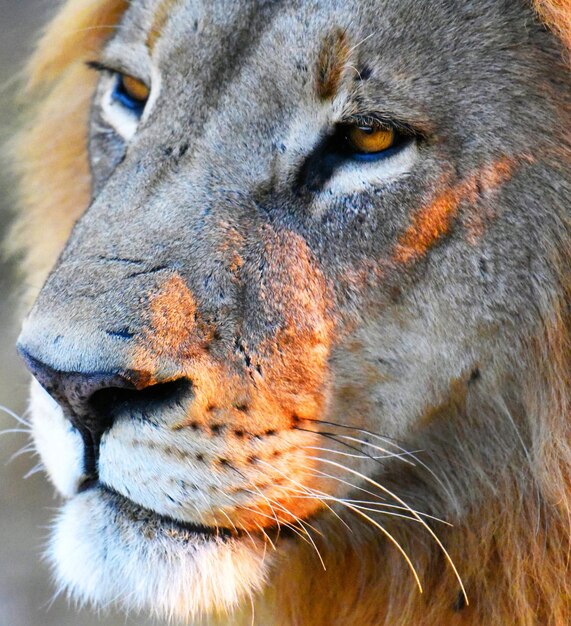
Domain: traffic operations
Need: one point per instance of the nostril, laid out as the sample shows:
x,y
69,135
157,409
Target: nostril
x,y
92,401
112,401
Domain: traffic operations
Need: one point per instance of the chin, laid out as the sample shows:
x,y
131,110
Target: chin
x,y
106,550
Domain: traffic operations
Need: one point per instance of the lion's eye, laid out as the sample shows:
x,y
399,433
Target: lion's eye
x,y
369,142
131,93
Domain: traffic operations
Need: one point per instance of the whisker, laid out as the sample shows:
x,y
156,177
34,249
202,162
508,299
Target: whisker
x,y
378,504
355,456
262,530
35,470
389,537
229,519
384,505
345,482
304,487
391,441
11,431
20,419
257,512
401,455
402,502
28,448
401,508
334,437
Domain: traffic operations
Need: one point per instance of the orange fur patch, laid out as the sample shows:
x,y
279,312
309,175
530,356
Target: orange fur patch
x,y
434,221
557,15
159,20
331,63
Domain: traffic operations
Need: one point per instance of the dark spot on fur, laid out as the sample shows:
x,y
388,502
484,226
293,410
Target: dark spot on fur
x,y
240,433
474,376
295,419
242,407
216,429
459,603
242,349
121,333
365,73
483,266
395,294
152,270
270,432
252,460
200,457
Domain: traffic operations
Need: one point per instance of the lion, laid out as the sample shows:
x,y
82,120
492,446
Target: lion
x,y
301,355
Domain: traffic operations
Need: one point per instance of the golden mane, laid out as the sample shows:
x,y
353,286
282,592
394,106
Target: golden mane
x,y
557,15
530,560
50,153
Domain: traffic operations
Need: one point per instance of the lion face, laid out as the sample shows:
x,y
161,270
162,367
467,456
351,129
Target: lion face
x,y
313,238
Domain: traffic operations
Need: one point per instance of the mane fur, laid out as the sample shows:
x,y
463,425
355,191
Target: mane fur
x,y
514,553
50,152
557,15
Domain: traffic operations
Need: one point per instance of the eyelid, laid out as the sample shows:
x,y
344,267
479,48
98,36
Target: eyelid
x,y
383,121
104,68
108,68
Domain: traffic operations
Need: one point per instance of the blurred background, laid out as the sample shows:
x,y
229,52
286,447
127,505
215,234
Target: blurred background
x,y
26,504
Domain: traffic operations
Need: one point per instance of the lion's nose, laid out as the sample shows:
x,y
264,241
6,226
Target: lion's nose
x,y
93,400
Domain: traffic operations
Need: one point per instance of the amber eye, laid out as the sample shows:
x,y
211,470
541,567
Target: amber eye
x,y
370,140
131,92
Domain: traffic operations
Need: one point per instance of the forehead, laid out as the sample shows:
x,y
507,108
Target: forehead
x,y
411,54
402,28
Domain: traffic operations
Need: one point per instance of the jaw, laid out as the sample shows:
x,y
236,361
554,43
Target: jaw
x,y
104,550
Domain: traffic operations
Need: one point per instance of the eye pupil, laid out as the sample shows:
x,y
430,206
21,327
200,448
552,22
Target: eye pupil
x,y
370,140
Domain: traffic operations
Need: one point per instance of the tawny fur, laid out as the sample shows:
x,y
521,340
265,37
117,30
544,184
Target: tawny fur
x,y
518,569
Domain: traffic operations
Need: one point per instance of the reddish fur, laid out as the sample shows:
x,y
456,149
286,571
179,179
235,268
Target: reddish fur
x,y
557,15
433,221
331,64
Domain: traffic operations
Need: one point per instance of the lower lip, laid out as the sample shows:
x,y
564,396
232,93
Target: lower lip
x,y
142,515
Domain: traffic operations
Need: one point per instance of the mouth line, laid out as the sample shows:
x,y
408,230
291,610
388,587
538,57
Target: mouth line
x,y
141,515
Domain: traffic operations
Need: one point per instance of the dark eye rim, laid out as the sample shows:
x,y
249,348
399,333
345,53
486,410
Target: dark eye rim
x,y
335,151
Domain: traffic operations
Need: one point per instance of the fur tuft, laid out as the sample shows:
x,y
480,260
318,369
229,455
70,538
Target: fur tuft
x,y
557,15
